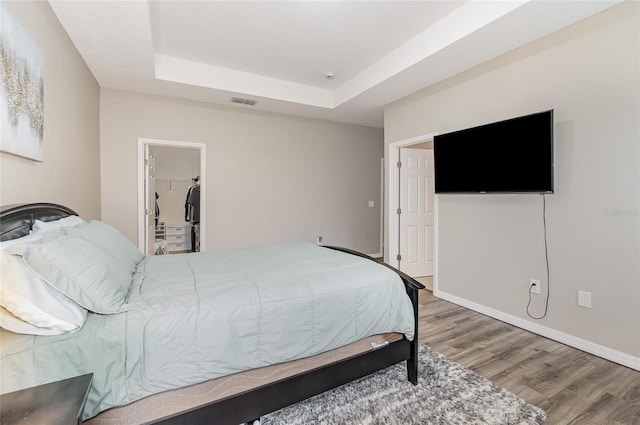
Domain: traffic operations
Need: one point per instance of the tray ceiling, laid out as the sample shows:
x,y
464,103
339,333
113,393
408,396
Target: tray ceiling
x,y
278,53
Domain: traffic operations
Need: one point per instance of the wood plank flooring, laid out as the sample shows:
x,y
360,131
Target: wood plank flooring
x,y
573,387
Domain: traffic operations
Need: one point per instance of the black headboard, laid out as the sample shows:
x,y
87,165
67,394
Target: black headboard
x,y
17,220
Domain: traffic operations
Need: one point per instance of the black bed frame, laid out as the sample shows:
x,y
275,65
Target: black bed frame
x,y
17,220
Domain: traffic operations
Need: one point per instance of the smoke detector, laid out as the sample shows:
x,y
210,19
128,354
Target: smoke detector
x,y
328,75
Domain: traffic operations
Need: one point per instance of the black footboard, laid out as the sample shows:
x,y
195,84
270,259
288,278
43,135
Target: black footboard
x,y
412,286
252,404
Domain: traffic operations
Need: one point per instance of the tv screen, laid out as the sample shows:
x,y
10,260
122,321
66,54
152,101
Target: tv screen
x,y
511,156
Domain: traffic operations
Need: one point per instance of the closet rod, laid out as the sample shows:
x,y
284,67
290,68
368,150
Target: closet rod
x,y
173,180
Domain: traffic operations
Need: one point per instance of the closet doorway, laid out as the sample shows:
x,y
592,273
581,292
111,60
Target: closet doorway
x,y
171,196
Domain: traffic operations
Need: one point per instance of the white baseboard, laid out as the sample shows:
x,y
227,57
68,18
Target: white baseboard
x,y
573,341
376,255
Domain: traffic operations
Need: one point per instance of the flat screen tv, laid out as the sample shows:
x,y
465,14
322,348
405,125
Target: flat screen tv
x,y
510,156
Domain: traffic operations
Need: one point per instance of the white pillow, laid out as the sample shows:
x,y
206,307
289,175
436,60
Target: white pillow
x,y
11,323
53,226
27,297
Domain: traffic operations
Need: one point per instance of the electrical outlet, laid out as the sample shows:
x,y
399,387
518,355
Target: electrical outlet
x,y
319,241
584,299
534,286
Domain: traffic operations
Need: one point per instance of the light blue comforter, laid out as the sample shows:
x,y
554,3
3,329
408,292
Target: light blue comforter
x,y
194,317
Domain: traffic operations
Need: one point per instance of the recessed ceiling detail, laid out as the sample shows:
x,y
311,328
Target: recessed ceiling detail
x,y
181,71
381,51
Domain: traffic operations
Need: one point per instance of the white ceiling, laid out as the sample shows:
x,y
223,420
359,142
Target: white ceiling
x,y
278,52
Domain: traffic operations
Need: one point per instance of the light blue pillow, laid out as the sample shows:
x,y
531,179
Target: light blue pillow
x,y
109,240
55,225
79,270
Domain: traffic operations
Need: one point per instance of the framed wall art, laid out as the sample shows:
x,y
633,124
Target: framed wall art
x,y
21,90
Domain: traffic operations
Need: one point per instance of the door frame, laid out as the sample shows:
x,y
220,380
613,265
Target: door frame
x,y
142,142
393,153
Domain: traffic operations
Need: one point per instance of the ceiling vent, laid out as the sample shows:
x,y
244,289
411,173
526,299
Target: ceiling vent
x,y
243,101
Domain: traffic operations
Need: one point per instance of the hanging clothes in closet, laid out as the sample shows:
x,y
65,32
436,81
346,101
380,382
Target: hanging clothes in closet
x,y
192,210
157,209
192,202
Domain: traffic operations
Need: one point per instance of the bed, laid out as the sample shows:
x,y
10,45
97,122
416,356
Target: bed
x,y
217,379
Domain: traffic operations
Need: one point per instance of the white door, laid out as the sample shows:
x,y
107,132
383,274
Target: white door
x,y
149,201
416,212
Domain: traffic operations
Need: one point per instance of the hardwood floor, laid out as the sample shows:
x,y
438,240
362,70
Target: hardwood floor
x,y
573,387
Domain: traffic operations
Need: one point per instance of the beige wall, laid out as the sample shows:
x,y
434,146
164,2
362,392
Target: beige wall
x,y
490,245
270,178
70,173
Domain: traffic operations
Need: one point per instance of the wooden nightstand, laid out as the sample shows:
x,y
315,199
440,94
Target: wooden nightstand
x,y
56,403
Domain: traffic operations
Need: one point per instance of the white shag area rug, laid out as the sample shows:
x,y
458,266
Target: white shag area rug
x,y
446,394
